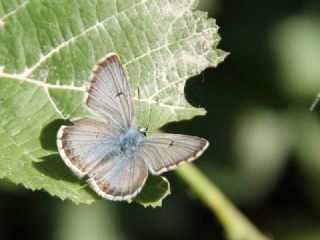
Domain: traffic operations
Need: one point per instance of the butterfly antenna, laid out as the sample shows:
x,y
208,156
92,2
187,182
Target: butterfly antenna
x,y
202,79
139,122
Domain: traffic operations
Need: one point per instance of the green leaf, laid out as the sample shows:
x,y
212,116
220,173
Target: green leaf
x,y
156,189
48,49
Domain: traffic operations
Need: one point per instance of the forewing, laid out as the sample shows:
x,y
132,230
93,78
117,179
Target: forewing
x,y
166,151
108,93
120,178
84,144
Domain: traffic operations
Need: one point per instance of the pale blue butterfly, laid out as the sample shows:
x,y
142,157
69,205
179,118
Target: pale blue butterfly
x,y
111,150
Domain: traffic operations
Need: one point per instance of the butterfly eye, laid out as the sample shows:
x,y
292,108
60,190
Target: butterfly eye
x,y
143,131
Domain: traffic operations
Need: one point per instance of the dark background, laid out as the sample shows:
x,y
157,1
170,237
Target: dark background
x,y
265,143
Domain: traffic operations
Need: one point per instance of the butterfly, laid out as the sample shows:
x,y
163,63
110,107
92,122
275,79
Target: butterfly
x,y
109,149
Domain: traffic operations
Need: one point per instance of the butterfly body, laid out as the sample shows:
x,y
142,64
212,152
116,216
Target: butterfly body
x,y
130,139
108,149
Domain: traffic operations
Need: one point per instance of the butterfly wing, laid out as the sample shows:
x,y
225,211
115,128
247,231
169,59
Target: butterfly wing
x,y
108,93
84,144
120,178
164,151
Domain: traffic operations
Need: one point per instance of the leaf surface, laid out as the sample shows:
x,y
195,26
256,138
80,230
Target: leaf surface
x,y
48,49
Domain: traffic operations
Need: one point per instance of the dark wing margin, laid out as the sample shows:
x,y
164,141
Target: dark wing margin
x,y
108,93
165,151
121,178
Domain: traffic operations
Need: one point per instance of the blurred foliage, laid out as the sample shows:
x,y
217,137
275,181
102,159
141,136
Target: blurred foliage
x,y
260,143
264,151
82,222
296,45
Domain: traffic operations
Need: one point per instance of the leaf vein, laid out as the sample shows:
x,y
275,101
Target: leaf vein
x,y
12,12
28,72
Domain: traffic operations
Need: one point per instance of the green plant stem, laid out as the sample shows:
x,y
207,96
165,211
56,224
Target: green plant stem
x,y
236,225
